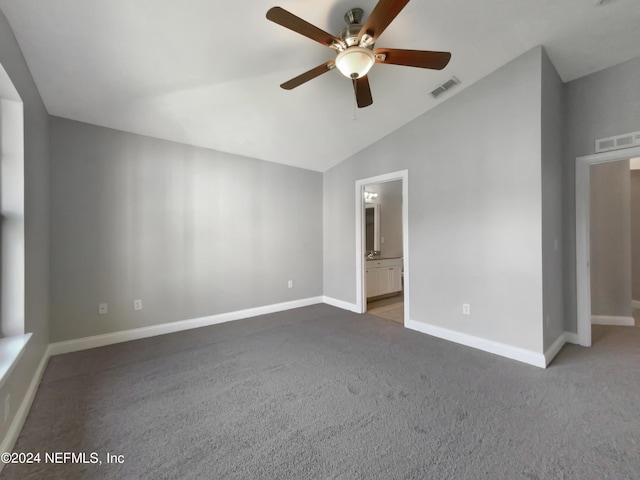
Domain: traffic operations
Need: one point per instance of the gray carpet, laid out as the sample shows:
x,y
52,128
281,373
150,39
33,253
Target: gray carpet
x,y
322,393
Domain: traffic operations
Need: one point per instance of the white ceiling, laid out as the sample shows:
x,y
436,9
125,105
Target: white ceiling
x,y
207,72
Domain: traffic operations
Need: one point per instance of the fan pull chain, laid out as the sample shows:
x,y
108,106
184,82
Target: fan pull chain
x,y
355,109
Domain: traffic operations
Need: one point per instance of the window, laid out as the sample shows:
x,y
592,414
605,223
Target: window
x,y
12,257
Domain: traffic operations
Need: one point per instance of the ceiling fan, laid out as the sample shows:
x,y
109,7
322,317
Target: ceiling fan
x,y
354,45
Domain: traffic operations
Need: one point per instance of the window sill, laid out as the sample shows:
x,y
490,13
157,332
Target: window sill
x,y
11,349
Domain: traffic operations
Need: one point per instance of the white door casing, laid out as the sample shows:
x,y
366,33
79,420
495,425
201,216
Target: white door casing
x,y
583,248
361,296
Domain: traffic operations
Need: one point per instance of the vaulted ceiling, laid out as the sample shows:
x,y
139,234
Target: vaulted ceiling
x,y
207,72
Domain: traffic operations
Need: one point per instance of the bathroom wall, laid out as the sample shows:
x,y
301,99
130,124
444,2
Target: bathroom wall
x,y
390,201
610,239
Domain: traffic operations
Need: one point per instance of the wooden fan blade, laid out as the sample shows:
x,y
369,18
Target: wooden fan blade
x,y
289,20
414,58
306,76
383,14
363,92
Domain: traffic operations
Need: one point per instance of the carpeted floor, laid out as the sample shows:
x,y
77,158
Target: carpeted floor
x,y
321,393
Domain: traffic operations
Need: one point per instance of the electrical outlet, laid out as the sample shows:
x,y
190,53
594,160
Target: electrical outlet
x,y
7,406
102,309
137,304
290,283
466,309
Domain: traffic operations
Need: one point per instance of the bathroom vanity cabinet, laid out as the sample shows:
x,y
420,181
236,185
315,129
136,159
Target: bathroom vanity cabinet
x,y
383,276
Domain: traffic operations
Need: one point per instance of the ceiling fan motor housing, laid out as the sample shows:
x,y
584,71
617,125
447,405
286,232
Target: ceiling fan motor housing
x,y
349,34
354,16
357,59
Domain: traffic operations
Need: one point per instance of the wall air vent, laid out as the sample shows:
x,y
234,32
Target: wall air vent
x,y
619,141
443,87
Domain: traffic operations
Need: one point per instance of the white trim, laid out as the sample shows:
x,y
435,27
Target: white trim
x,y
612,320
405,277
613,156
571,337
635,303
551,352
15,428
11,349
352,307
164,328
515,353
360,240
583,280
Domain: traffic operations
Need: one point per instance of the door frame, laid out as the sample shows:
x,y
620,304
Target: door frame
x,y
361,297
583,228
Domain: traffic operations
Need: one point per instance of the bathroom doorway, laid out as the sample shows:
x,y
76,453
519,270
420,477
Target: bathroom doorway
x,y
583,238
382,246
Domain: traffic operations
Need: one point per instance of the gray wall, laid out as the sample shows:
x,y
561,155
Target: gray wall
x,y
190,231
475,215
390,201
635,234
552,138
36,191
600,105
610,239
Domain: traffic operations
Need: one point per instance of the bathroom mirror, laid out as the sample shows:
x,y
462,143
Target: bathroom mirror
x,y
372,227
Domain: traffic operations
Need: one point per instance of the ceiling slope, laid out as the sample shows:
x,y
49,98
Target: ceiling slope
x,y
207,73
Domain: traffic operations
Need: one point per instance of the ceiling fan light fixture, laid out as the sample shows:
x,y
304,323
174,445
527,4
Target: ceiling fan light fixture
x,y
355,62
355,47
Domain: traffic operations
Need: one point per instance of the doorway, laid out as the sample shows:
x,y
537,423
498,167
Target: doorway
x,y
583,230
382,265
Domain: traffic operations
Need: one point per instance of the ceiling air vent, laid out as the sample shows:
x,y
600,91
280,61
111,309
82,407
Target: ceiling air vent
x,y
619,141
443,87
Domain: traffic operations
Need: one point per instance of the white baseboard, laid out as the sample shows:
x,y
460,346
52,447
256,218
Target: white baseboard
x,y
635,303
612,320
352,307
571,337
172,327
15,428
551,352
515,353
